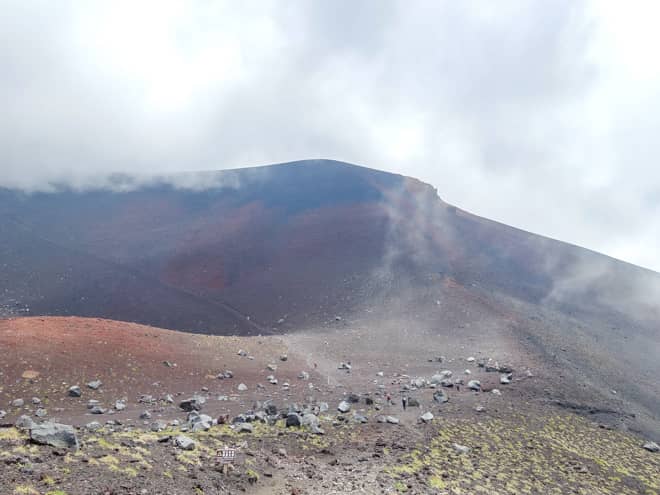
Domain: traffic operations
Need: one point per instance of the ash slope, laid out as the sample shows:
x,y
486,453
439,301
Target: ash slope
x,y
285,248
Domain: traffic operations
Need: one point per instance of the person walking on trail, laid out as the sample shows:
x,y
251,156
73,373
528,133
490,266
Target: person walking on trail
x,y
388,398
404,402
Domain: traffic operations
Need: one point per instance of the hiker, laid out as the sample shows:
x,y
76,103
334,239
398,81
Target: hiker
x,y
404,402
458,387
388,398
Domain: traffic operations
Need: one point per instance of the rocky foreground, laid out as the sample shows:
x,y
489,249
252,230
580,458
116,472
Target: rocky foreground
x,y
365,443
98,407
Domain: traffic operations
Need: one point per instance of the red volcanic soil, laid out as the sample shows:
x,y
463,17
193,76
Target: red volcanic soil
x,y
43,357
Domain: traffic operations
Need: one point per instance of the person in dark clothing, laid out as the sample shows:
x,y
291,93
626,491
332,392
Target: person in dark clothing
x,y
404,402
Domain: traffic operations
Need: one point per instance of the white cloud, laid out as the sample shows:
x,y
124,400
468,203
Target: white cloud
x,y
543,115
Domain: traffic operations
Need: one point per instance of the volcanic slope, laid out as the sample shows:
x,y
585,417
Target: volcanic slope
x,y
288,248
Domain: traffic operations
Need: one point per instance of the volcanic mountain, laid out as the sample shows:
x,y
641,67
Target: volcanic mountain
x,y
322,247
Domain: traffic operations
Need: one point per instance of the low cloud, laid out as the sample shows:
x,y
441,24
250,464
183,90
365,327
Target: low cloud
x,y
538,114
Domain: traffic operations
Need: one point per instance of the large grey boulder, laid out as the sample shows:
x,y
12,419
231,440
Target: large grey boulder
x,y
344,407
505,378
55,434
184,442
17,403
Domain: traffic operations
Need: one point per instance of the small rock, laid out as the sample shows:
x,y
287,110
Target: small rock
x,y
93,426
36,400
474,385
293,419
3,413
145,415
97,410
95,384
184,442
17,403
120,405
24,422
284,357
505,379
158,425
243,428
41,413
461,449
192,404
242,387
426,417
651,447
392,420
440,396
303,375
496,391
344,407
470,359
74,391
242,353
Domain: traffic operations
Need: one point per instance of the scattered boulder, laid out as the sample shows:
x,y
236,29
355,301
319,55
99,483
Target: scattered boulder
x,y
95,384
651,447
120,405
446,382
24,422
461,449
271,367
17,403
3,413
242,387
353,398
505,378
323,407
470,359
54,434
418,382
496,391
310,420
97,410
412,402
474,385
145,415
184,442
41,413
158,425
440,396
344,407
36,400
192,404
243,428
345,366
242,353
270,409
426,417
93,426
392,420
293,419
303,375
284,357
359,418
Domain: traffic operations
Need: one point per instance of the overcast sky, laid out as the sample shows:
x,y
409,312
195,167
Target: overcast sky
x,y
543,115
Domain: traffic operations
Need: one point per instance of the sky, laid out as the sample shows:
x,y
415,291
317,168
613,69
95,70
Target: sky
x,y
541,115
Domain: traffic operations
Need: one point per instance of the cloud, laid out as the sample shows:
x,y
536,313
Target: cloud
x,y
538,114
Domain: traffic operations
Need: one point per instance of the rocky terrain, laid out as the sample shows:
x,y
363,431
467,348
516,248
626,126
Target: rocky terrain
x,y
146,410
286,312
